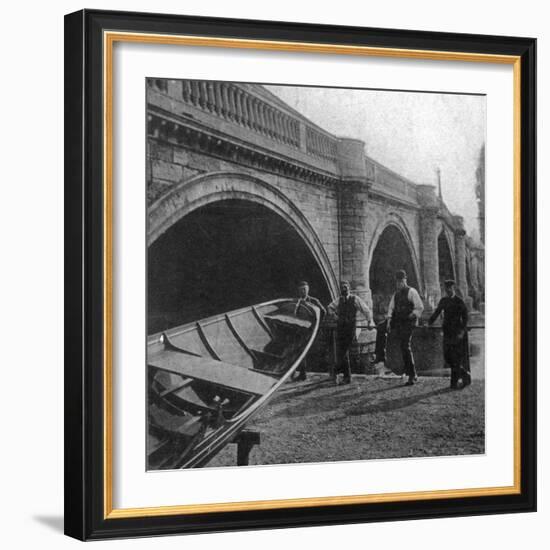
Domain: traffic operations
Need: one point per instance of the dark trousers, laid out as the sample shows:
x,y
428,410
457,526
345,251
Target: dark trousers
x,y
381,338
403,333
344,340
455,353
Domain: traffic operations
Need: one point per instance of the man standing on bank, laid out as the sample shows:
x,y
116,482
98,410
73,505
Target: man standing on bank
x,y
346,308
303,296
404,311
455,334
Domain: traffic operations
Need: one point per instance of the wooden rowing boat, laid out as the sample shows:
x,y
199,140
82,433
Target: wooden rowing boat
x,y
207,379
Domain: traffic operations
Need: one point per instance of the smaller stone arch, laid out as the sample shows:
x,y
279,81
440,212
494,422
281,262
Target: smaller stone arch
x,y
450,237
394,219
446,256
390,249
471,283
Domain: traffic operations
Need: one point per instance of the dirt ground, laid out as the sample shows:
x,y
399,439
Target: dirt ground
x,y
372,418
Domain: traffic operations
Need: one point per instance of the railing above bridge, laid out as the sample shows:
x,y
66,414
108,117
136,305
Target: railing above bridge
x,y
252,108
231,102
389,183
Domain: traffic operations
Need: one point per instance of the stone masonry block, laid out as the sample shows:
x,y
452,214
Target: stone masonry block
x,y
160,151
181,156
155,190
201,162
167,171
189,173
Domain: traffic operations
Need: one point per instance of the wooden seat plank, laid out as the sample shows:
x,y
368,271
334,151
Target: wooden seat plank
x,y
288,320
212,371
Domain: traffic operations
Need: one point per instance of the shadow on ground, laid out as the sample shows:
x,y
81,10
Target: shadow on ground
x,y
392,404
352,398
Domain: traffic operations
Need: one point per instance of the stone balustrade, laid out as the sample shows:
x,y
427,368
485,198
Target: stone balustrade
x,y
233,103
238,104
320,144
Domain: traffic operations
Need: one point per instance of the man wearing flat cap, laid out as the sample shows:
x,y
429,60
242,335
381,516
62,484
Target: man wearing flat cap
x,y
303,296
346,309
455,334
403,313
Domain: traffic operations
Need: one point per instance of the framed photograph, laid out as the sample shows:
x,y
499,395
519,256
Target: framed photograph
x,y
300,274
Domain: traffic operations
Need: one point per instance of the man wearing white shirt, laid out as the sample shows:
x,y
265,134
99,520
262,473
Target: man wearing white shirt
x,y
346,308
403,313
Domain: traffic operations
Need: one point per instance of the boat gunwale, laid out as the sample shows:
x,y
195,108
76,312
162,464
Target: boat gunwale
x,y
186,327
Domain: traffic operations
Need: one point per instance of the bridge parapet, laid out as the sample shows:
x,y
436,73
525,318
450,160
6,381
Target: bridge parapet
x,y
237,109
389,184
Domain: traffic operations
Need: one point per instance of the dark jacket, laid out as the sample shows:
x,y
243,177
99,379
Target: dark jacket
x,y
346,310
455,315
402,308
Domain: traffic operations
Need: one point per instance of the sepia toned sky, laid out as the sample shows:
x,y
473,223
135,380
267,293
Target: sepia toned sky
x,y
412,133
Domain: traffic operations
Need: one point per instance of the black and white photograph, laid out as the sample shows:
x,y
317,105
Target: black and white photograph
x,y
315,286
271,275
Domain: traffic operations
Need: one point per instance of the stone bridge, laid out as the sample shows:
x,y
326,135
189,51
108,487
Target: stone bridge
x,y
245,196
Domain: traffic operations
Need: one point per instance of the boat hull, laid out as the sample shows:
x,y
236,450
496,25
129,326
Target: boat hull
x,y
207,379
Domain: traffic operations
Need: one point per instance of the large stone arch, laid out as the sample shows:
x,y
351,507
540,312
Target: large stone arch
x,y
394,219
209,188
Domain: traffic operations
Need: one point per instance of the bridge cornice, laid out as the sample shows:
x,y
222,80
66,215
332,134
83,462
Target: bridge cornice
x,y
192,134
